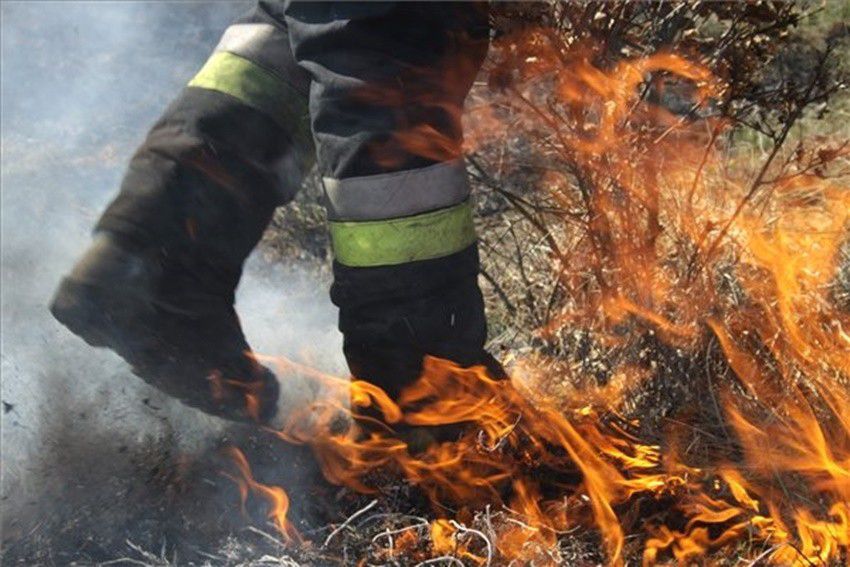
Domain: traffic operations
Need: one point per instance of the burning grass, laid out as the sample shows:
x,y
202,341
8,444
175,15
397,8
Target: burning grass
x,y
670,261
683,390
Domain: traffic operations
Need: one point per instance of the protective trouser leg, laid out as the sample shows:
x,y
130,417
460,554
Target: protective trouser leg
x,y
157,286
388,81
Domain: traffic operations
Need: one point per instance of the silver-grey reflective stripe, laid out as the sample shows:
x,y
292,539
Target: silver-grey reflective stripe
x,y
261,43
398,194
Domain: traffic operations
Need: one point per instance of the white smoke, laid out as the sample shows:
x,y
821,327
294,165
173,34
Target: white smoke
x,y
81,84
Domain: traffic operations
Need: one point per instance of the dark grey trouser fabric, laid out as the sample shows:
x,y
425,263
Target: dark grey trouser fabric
x,y
388,82
217,165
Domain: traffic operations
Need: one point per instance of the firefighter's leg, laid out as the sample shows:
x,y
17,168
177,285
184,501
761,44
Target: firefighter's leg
x,y
157,285
388,85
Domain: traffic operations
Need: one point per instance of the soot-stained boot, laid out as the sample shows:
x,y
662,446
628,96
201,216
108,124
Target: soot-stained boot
x,y
157,284
179,335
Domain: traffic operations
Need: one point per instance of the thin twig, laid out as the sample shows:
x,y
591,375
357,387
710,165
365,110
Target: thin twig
x,y
350,519
435,560
463,530
767,553
266,535
388,533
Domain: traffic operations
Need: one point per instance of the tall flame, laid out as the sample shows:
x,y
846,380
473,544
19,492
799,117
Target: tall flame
x,y
648,180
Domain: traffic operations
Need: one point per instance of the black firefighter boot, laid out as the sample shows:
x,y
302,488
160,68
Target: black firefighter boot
x,y
157,284
176,327
392,317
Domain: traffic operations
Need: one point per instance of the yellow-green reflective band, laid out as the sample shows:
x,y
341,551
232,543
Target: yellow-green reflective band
x,y
398,241
253,85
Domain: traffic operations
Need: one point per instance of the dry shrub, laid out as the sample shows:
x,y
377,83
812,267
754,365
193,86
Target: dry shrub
x,y
665,222
627,153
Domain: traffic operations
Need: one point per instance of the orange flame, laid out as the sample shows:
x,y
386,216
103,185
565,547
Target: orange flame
x,y
648,182
275,496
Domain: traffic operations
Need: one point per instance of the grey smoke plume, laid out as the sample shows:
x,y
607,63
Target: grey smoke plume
x,y
81,83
